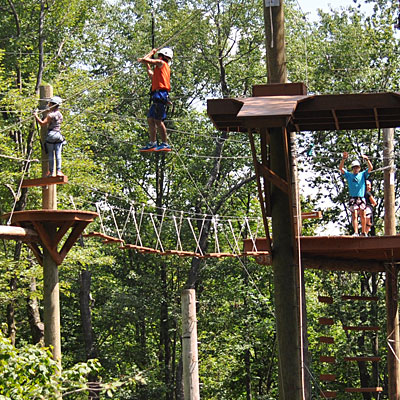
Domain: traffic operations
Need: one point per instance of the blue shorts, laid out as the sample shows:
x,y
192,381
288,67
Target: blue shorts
x,y
158,108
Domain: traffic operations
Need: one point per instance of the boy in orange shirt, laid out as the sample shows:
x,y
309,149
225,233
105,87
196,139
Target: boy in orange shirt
x,y
159,72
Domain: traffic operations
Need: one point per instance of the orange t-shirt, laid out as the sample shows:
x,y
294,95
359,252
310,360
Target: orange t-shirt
x,y
161,78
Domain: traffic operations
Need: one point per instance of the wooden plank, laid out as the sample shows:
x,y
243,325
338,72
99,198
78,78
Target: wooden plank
x,y
361,298
311,215
364,390
280,89
325,321
329,394
326,339
327,377
327,359
325,299
361,328
53,180
363,359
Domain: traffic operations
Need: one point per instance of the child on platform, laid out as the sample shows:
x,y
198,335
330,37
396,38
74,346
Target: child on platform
x,y
54,140
159,72
356,181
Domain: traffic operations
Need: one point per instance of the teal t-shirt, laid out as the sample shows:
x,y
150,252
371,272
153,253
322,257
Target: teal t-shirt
x,y
356,183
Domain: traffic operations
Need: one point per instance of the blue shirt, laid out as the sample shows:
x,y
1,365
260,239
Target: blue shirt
x,y
356,183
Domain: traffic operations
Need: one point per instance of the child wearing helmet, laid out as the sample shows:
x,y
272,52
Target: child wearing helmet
x,y
54,140
159,72
356,184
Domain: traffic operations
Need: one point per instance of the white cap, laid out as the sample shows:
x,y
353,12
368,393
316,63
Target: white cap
x,y
355,163
56,100
167,52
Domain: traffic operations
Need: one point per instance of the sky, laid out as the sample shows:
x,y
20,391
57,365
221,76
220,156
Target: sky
x,y
311,6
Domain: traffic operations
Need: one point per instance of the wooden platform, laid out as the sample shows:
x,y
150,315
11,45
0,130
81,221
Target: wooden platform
x,y
342,253
51,226
52,180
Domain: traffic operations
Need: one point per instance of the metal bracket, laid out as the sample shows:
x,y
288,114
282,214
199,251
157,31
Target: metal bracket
x,y
272,3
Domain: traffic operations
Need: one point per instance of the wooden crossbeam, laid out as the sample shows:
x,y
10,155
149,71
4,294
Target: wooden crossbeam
x,y
325,299
363,359
325,321
361,298
52,180
364,390
327,377
361,328
272,177
326,339
327,359
311,215
329,395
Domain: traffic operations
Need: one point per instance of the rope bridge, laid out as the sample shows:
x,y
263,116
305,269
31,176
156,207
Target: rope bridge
x,y
175,234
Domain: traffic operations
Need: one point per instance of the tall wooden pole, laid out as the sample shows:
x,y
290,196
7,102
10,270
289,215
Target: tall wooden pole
x,y
287,279
189,346
51,300
392,312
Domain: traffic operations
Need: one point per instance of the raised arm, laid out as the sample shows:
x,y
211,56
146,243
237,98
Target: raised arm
x,y
41,122
370,166
342,161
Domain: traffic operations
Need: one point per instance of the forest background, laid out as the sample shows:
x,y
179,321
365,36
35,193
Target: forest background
x,y
87,51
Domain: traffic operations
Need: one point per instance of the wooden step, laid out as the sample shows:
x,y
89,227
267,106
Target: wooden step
x,y
361,328
325,299
325,321
326,339
364,390
52,180
327,377
361,298
329,395
365,359
327,359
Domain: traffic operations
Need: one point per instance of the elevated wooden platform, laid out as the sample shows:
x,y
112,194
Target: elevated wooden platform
x,y
51,226
52,180
342,253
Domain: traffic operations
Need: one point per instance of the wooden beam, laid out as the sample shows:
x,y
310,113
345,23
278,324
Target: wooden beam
x,y
362,359
326,339
327,377
325,299
311,215
364,390
361,328
327,359
18,233
275,179
325,321
335,119
361,298
53,180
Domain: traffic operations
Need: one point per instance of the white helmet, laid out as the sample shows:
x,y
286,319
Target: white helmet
x,y
167,52
355,164
56,100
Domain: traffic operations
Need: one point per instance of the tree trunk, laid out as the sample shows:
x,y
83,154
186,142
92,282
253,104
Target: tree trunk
x,y
37,327
91,350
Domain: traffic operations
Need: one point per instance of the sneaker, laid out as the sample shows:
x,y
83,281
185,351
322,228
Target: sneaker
x,y
49,175
356,234
163,147
364,234
149,147
59,173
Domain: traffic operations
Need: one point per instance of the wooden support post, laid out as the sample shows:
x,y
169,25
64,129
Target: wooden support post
x,y
392,312
51,295
288,284
189,346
